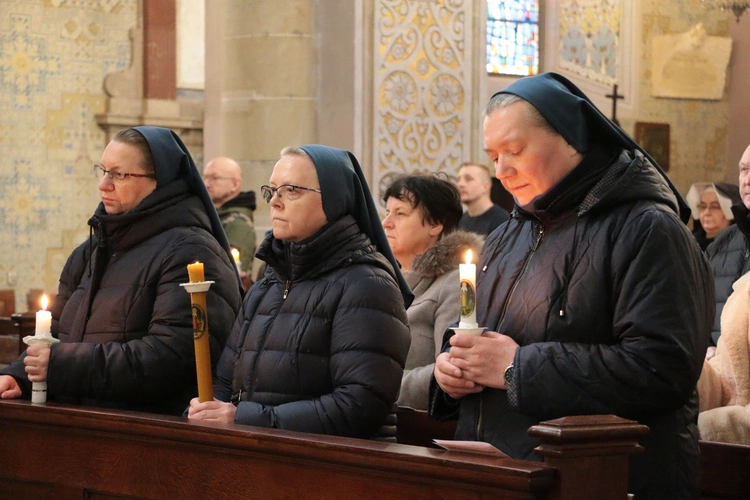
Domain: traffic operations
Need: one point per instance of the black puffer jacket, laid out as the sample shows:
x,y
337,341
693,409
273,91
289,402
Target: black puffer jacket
x,y
322,340
729,256
610,299
133,347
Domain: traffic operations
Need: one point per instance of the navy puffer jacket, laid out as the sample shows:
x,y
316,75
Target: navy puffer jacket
x,y
610,300
322,340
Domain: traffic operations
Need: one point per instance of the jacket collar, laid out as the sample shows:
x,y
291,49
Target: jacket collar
x,y
447,253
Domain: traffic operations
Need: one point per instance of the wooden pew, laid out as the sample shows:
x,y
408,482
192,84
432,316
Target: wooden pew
x,y
12,331
59,451
725,471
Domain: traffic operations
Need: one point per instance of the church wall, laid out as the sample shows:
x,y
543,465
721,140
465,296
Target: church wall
x,y
698,128
54,55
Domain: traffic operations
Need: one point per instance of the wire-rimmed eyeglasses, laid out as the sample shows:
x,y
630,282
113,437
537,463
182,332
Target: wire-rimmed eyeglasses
x,y
116,175
288,191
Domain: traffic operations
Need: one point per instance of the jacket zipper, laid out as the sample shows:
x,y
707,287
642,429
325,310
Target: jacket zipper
x,y
505,310
286,290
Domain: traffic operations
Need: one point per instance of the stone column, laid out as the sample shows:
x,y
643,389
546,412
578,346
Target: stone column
x,y
260,85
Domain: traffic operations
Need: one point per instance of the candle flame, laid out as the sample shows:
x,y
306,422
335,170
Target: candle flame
x,y
45,301
235,254
468,256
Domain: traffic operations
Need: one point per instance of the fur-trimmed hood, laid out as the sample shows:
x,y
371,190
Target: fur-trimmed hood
x,y
447,253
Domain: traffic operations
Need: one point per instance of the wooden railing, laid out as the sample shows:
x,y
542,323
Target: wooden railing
x,y
51,451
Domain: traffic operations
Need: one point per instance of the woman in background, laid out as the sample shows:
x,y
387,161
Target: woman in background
x,y
711,207
421,223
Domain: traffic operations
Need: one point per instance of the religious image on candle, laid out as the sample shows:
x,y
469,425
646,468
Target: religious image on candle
x,y
468,276
200,329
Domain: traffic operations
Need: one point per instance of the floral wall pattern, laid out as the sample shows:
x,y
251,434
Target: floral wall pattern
x,y
54,55
422,79
589,37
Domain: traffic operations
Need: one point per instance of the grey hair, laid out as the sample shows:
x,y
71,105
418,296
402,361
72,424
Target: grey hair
x,y
503,100
294,151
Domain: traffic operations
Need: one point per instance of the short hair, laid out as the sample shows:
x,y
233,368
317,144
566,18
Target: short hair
x,y
503,100
481,166
134,138
294,151
439,198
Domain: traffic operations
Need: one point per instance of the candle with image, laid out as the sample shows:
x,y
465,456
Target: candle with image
x,y
468,276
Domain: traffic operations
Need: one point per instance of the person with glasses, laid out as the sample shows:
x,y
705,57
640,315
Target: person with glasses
x,y
711,208
322,339
223,178
124,322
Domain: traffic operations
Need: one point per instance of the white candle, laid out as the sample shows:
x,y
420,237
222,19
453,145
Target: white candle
x,y
468,275
43,320
237,261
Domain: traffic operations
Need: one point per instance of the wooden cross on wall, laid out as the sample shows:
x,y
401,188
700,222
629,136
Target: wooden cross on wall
x,y
615,96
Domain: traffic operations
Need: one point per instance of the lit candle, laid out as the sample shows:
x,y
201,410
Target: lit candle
x,y
42,336
236,257
200,330
43,319
468,275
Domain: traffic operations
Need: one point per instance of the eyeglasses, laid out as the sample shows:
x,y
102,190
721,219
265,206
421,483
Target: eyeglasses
x,y
116,175
712,207
288,191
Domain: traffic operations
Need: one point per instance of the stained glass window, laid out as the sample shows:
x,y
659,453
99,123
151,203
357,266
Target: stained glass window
x,y
513,37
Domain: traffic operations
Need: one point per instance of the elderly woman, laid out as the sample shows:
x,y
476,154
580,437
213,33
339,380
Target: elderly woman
x,y
422,215
124,323
322,338
711,207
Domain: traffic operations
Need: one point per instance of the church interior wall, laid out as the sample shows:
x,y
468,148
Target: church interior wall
x,y
58,52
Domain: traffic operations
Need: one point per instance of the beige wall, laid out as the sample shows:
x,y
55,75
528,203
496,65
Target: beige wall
x,y
739,95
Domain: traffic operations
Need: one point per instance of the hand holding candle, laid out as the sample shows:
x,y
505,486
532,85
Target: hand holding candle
x,y
197,289
43,338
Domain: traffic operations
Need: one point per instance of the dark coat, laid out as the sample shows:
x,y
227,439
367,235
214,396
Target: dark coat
x,y
132,348
729,255
322,340
610,300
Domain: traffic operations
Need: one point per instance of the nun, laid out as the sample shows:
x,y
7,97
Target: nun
x,y
322,339
595,296
124,323
711,208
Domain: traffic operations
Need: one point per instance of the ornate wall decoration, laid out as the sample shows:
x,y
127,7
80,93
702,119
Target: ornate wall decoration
x,y
422,77
54,55
589,38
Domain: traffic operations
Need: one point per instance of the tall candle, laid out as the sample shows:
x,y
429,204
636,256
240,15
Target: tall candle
x,y
200,335
43,320
468,275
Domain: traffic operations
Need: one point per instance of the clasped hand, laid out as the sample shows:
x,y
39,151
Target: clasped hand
x,y
212,411
474,362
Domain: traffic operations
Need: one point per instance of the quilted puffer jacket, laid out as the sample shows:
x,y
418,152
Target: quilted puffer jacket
x,y
322,339
610,300
729,256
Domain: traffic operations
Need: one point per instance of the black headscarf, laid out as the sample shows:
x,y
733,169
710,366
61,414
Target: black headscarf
x,y
344,191
172,161
578,120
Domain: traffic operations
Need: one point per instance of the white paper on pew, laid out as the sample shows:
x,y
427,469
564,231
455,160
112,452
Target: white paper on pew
x,y
479,447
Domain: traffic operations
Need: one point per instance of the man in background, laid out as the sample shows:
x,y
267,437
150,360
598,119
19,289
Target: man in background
x,y
474,185
223,178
